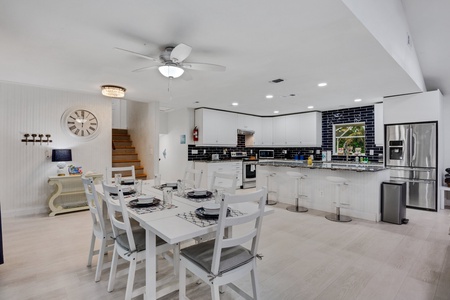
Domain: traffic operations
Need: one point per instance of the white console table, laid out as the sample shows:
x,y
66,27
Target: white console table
x,y
64,186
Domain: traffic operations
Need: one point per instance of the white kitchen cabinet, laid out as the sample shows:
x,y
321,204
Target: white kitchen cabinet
x,y
298,130
216,127
279,131
311,129
208,168
379,124
264,136
247,122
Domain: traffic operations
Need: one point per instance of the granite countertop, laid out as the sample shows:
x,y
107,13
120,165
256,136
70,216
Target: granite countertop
x,y
333,165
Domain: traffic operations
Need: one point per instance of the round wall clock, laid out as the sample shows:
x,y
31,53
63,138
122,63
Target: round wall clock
x,y
80,122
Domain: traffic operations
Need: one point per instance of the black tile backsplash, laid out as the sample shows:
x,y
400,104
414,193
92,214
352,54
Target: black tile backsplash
x,y
348,115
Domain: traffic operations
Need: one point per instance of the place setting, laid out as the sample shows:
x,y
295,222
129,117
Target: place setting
x,y
208,214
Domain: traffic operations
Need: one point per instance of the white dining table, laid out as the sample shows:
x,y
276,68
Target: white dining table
x,y
171,228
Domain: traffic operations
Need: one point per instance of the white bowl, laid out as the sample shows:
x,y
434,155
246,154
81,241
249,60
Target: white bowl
x,y
145,199
199,192
211,208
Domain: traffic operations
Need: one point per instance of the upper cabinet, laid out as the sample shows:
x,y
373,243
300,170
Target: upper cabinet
x,y
299,130
220,128
216,127
264,136
379,124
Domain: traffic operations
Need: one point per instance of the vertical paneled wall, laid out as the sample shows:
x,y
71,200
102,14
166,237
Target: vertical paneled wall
x,y
25,168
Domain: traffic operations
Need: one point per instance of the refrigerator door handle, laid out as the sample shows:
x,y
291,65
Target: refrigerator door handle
x,y
413,147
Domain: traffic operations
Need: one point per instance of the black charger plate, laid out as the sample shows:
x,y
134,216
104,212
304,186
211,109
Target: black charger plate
x,y
192,194
200,212
134,203
172,185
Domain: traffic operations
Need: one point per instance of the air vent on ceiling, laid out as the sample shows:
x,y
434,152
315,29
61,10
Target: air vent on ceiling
x,y
276,80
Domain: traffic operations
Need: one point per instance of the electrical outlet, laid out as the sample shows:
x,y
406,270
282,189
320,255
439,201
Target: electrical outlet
x,y
204,151
371,152
317,151
194,151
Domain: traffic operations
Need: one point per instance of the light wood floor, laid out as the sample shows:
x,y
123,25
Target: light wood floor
x,y
305,257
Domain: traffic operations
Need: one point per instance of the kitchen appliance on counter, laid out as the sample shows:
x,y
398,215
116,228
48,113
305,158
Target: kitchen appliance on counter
x,y
266,154
411,154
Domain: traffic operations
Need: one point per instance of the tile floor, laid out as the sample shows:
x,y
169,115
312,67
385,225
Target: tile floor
x,y
305,257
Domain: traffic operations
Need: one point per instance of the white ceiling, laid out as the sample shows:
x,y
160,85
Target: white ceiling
x,y
70,45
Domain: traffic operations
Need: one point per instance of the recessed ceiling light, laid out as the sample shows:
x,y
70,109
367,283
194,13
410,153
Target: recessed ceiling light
x,y
358,100
235,104
322,84
310,107
275,111
269,96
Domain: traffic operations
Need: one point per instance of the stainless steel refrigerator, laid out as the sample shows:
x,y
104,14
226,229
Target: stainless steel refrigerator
x,y
411,154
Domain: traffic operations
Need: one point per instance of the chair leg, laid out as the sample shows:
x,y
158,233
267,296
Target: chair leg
x,y
101,254
130,281
182,281
255,285
112,273
91,250
215,293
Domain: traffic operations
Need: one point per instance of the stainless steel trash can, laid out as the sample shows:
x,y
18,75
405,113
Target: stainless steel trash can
x,y
393,202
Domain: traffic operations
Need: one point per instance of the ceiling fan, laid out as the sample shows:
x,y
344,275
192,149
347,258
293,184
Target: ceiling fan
x,y
171,62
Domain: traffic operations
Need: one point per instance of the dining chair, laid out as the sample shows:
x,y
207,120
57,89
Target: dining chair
x,y
224,181
225,259
128,173
101,230
192,177
129,244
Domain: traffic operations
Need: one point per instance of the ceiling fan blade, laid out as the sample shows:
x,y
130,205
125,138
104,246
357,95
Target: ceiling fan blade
x,y
180,53
203,67
146,68
138,54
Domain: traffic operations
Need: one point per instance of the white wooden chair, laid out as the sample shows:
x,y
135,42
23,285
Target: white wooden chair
x,y
192,177
101,230
224,260
128,173
128,244
224,181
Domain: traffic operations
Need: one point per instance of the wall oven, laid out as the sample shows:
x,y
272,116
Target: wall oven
x,y
249,173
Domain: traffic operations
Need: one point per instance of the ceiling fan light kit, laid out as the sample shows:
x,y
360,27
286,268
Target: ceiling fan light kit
x,y
171,71
113,91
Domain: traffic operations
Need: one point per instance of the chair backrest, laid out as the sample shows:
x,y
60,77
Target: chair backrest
x,y
192,177
246,233
118,214
127,173
94,204
225,181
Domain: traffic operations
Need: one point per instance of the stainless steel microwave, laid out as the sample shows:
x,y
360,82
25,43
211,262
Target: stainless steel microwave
x,y
266,154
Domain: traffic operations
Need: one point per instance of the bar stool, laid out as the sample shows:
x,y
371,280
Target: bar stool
x,y
338,182
268,174
299,177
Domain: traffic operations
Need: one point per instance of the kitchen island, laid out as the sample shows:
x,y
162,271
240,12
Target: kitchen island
x,y
361,198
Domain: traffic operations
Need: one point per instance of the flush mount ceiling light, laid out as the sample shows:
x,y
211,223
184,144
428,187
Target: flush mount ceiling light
x,y
269,96
113,91
322,84
310,107
358,100
171,71
235,104
276,111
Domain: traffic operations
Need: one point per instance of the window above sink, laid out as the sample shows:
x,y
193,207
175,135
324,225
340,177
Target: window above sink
x,y
349,137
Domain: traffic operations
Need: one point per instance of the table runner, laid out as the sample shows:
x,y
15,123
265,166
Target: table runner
x,y
192,217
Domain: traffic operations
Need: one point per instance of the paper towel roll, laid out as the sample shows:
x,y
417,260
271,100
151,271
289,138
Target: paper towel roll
x,y
328,155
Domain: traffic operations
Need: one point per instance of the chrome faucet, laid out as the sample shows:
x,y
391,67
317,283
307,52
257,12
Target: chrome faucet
x,y
346,150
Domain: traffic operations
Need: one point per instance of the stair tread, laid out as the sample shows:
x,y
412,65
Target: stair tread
x,y
126,160
121,154
125,147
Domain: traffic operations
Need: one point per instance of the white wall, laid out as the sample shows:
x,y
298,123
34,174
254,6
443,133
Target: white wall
x,y
25,168
143,127
386,21
119,113
179,122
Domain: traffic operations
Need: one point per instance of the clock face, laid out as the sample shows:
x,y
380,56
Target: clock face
x,y
80,123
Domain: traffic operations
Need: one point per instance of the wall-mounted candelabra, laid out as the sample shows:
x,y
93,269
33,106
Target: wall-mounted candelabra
x,y
36,138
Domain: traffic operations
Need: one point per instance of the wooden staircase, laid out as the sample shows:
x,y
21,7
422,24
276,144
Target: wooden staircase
x,y
124,154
